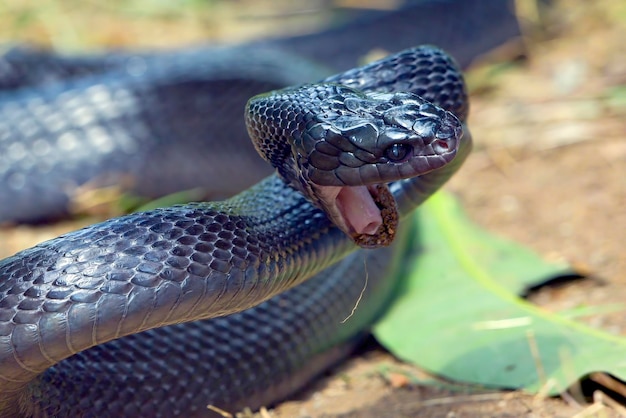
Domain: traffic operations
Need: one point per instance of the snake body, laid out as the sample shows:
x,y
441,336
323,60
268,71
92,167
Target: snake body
x,y
187,263
108,128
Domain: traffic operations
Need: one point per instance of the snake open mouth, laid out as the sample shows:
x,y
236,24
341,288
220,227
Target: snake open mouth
x,y
368,214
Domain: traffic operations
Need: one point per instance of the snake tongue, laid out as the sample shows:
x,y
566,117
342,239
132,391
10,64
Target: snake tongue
x,y
366,213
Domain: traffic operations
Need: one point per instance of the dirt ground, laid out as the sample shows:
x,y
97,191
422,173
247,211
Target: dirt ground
x,y
548,171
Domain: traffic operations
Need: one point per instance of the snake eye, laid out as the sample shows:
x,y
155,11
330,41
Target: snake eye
x,y
397,152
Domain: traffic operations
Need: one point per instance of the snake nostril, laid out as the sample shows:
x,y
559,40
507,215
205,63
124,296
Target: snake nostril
x,y
441,146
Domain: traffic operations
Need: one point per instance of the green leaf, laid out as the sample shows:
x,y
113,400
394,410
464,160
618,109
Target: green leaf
x,y
459,315
177,198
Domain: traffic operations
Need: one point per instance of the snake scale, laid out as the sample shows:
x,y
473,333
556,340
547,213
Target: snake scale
x,y
242,258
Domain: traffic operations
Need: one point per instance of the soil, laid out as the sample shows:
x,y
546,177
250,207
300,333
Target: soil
x,y
548,171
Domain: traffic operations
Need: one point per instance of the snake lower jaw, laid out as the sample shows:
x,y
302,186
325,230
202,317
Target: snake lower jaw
x,y
367,214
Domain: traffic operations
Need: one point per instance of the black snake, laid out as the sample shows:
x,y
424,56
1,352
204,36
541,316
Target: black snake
x,y
197,261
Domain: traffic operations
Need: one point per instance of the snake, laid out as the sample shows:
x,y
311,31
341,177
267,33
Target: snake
x,y
239,303
336,146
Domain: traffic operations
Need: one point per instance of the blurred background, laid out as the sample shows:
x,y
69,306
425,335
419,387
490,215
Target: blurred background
x,y
549,167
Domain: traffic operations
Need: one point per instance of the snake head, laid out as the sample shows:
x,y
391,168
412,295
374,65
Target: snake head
x,y
341,148
364,142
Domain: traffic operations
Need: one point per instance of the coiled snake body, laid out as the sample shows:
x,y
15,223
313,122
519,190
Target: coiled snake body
x,y
365,147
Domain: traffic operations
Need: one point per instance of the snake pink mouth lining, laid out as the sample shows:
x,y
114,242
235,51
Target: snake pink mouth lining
x,y
352,209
